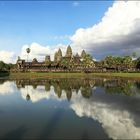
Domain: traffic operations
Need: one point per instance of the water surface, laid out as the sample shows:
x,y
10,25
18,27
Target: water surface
x,y
70,109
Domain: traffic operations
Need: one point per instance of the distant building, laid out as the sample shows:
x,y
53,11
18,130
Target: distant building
x,y
47,58
60,63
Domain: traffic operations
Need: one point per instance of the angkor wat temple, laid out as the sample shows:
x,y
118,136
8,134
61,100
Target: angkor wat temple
x,y
69,62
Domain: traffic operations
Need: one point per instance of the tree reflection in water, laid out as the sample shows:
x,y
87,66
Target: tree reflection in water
x,y
120,87
28,97
83,86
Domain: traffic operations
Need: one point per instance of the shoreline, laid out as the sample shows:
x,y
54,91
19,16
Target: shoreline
x,y
41,75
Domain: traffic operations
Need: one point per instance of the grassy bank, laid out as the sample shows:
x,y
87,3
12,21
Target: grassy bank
x,y
35,75
127,75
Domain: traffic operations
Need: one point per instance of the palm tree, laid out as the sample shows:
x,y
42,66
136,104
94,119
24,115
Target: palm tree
x,y
109,61
138,62
87,61
127,61
119,61
28,97
28,50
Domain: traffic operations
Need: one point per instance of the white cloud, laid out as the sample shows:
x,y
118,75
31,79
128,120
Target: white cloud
x,y
38,51
7,56
117,33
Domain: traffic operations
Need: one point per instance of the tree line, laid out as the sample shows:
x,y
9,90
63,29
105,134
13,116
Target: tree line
x,y
118,63
4,67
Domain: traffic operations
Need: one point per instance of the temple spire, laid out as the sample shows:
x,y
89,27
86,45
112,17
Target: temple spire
x,y
69,51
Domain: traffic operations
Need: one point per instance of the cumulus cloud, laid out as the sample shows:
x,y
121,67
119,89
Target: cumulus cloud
x,y
117,33
7,56
39,51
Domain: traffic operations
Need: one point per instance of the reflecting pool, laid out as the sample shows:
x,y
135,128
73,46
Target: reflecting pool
x,y
70,109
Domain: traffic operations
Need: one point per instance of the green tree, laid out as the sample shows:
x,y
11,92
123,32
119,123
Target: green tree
x,y
87,61
65,63
119,62
109,61
127,62
2,66
137,62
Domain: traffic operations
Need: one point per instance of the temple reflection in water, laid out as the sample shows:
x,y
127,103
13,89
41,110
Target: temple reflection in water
x,y
77,86
68,86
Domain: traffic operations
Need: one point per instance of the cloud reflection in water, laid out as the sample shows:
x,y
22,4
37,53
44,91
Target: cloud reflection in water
x,y
117,123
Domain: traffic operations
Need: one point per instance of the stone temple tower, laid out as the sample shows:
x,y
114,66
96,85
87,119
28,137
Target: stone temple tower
x,y
69,51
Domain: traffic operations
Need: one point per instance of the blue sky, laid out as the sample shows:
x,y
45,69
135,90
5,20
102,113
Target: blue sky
x,y
46,22
101,28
